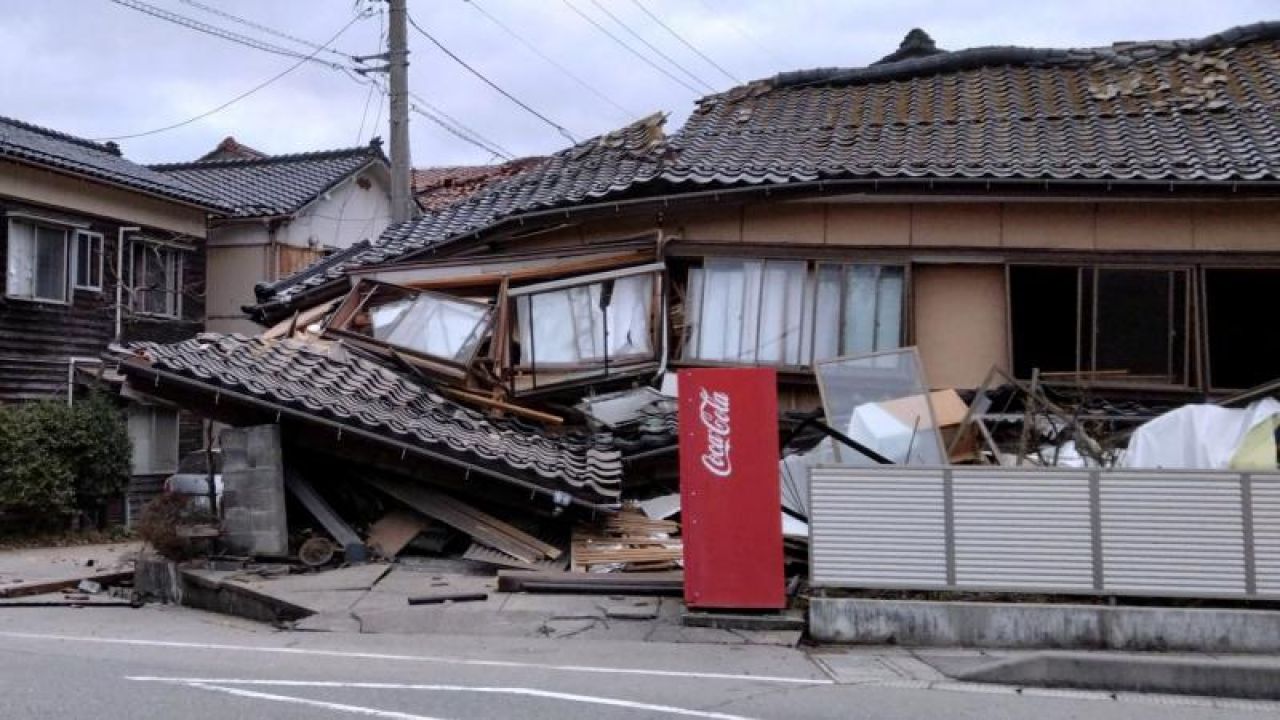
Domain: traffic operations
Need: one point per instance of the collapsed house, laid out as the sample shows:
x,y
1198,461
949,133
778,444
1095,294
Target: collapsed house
x,y
1090,227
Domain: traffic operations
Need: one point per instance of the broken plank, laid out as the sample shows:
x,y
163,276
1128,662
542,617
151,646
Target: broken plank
x,y
40,587
448,598
478,525
393,531
494,404
352,547
656,583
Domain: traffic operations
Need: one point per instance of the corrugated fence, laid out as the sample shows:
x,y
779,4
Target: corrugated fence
x,y
1113,532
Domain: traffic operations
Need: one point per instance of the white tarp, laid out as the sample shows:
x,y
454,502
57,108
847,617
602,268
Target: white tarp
x,y
1208,437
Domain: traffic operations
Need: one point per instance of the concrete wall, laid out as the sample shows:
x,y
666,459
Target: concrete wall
x,y
1042,625
73,194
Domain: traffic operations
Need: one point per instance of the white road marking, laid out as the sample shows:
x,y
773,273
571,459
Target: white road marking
x,y
341,707
421,658
527,692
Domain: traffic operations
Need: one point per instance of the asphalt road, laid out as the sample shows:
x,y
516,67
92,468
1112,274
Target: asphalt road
x,y
110,664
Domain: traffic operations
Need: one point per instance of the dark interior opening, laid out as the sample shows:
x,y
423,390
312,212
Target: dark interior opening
x,y
1141,324
1243,349
1044,305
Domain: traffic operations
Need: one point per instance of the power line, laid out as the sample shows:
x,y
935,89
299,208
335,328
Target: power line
x,y
643,58
686,43
263,28
478,140
495,151
215,31
651,46
628,114
303,60
559,128
742,32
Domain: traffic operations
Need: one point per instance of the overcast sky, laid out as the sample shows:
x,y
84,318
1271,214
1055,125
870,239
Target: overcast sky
x,y
97,69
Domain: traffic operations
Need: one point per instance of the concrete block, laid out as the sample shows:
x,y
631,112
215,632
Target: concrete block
x,y
1041,626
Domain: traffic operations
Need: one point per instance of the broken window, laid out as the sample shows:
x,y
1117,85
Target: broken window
x,y
605,321
789,312
1242,350
1120,324
420,322
155,279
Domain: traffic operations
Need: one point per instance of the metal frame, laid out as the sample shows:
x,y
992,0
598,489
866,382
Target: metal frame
x,y
1114,518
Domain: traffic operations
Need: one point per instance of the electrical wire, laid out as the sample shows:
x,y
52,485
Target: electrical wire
x,y
631,31
742,32
627,114
643,58
264,28
215,31
368,98
478,139
559,128
681,38
302,61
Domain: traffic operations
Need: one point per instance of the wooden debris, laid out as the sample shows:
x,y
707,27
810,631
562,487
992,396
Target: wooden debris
x,y
653,583
629,539
447,598
40,587
393,531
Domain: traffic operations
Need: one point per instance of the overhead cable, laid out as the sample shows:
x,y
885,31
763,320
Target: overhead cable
x,y
302,61
264,28
215,31
452,56
643,58
627,114
632,32
685,42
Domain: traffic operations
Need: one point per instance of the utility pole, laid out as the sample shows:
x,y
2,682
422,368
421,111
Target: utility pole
x,y
398,62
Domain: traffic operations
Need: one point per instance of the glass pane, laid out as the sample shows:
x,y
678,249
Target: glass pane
x,y
826,330
84,251
51,264
629,313
780,313
889,309
21,261
721,312
569,326
1136,335
882,401
860,309
437,326
692,313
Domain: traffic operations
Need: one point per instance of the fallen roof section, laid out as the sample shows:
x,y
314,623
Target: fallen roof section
x,y
337,389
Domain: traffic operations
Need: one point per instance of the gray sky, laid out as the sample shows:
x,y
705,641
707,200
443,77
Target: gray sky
x,y
97,69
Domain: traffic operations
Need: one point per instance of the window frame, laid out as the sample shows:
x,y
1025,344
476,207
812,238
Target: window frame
x,y
94,238
138,413
175,255
809,309
36,224
1087,313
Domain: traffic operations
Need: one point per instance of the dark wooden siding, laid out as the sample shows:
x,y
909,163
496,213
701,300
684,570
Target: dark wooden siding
x,y
38,339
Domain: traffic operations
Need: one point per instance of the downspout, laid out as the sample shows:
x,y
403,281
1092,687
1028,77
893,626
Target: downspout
x,y
663,311
71,374
120,277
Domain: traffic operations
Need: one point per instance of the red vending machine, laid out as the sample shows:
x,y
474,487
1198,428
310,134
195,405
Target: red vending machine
x,y
730,505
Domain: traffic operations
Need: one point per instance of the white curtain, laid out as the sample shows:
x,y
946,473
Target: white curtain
x,y
431,325
21,262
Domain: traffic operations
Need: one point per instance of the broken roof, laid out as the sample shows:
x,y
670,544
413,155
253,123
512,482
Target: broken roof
x,y
274,184
336,387
1200,111
231,149
437,187
27,143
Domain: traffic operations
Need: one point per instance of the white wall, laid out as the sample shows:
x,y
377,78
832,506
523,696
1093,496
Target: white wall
x,y
345,216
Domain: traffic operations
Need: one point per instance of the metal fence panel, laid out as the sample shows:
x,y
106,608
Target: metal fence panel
x,y
1158,533
1016,528
885,529
1266,532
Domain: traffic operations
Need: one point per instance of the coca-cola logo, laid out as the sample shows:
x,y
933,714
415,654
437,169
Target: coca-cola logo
x,y
713,411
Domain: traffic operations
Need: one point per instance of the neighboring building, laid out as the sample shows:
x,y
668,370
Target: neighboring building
x,y
97,250
287,211
1111,214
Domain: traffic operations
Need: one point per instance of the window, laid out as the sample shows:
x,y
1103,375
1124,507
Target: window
x,y
590,324
1118,324
791,313
37,262
153,432
88,260
1242,349
155,279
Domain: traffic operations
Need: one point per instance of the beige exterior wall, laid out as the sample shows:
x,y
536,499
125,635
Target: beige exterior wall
x,y
960,322
232,273
96,199
1243,226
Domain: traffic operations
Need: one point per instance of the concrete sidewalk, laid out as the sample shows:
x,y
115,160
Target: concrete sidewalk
x,y
374,598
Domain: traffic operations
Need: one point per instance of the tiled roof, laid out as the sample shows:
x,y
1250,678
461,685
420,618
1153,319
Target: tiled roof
x,y
591,169
231,149
1203,110
357,393
438,187
102,161
275,184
